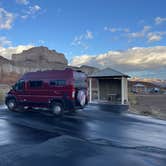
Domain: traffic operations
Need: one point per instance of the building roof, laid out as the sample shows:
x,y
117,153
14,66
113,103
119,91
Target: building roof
x,y
108,72
139,85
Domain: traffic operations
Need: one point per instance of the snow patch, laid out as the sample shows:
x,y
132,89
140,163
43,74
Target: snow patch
x,y
3,106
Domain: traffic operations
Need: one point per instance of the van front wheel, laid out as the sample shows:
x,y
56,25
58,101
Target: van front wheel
x,y
57,108
11,104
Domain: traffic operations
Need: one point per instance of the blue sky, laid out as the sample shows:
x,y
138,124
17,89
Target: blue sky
x,y
83,27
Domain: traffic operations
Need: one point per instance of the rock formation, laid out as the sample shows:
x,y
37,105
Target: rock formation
x,y
36,58
40,57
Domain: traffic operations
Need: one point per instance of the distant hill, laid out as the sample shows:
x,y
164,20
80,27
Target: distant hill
x,y
155,82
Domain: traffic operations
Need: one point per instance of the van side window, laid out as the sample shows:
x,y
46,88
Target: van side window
x,y
35,84
57,82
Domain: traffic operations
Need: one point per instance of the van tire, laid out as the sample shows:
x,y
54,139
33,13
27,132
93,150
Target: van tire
x,y
57,108
11,104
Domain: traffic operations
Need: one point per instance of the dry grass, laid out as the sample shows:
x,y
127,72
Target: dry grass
x,y
3,92
149,105
2,96
133,99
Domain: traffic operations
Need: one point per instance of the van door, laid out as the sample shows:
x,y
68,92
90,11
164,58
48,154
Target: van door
x,y
37,93
20,92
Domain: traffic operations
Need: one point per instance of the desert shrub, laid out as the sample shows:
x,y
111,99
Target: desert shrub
x,y
133,99
1,96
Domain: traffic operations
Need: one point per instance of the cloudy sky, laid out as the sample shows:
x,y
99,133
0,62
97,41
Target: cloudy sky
x,y
129,35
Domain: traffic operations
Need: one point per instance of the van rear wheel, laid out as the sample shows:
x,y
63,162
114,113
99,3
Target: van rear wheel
x,y
57,108
11,104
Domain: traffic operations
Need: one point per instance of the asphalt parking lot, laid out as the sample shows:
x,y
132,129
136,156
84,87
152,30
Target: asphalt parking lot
x,y
89,137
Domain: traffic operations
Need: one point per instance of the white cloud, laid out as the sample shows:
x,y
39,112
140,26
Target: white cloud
x,y
23,2
139,34
7,52
146,28
132,60
136,35
31,12
112,29
77,40
159,20
130,35
155,36
4,41
41,41
89,35
81,40
6,19
24,16
147,34
34,9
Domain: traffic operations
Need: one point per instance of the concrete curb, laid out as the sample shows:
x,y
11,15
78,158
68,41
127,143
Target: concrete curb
x,y
117,108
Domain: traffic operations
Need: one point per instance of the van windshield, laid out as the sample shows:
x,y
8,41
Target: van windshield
x,y
19,85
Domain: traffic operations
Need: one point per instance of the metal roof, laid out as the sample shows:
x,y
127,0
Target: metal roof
x,y
139,85
108,72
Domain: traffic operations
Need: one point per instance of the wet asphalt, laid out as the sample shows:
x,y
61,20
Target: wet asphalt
x,y
88,137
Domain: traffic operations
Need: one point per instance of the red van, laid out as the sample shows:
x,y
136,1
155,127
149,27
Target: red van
x,y
57,90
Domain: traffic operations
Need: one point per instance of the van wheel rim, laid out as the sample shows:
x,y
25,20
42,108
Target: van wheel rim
x,y
11,104
57,110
